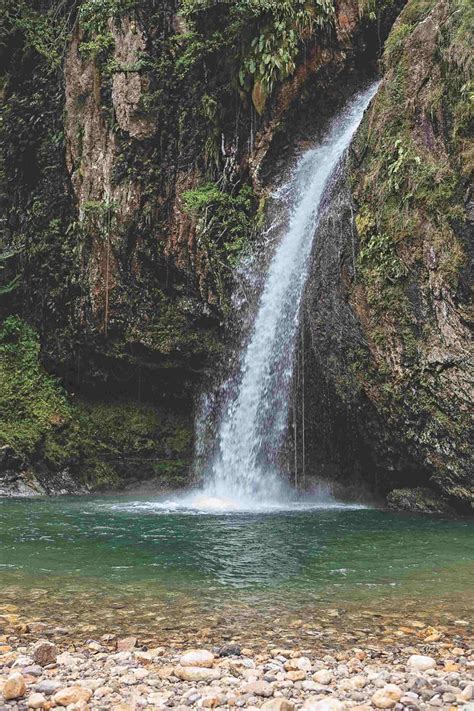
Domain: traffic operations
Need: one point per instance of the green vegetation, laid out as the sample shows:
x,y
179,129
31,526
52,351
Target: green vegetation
x,y
45,31
31,402
101,443
272,54
409,188
226,221
95,18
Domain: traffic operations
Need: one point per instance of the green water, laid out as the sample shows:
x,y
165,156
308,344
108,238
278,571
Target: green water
x,y
74,555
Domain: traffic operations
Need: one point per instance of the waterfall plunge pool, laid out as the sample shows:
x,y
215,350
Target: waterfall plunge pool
x,y
141,565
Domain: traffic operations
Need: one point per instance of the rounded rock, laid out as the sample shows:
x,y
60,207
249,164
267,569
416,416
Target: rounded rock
x,y
323,676
196,673
421,663
14,687
387,697
72,695
45,652
36,701
258,688
330,704
197,658
279,704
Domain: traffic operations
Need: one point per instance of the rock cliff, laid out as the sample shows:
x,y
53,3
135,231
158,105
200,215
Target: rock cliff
x,y
387,317
134,135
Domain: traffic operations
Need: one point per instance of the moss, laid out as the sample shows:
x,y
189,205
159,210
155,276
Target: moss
x,y
32,403
226,223
100,443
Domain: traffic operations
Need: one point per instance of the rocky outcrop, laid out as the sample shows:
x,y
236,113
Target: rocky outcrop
x,y
118,117
386,315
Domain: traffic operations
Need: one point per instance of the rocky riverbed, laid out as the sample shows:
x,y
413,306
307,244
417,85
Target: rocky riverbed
x,y
43,667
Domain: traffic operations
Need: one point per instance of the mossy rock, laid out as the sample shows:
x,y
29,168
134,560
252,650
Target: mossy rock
x,y
418,500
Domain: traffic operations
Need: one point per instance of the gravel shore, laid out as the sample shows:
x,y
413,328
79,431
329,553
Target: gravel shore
x,y
42,668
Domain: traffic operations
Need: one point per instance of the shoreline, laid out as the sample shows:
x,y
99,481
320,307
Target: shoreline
x,y
45,667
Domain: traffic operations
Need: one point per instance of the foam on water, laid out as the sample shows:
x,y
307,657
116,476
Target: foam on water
x,y
199,502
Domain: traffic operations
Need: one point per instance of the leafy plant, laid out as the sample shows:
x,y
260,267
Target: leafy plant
x,y
13,283
273,50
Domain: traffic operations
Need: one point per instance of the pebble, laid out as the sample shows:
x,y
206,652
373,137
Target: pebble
x,y
197,658
14,687
387,697
136,677
44,652
420,663
48,686
36,701
258,688
330,704
72,695
324,676
196,673
279,704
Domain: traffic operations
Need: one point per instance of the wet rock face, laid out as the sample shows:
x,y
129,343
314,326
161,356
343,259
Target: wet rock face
x,y
388,382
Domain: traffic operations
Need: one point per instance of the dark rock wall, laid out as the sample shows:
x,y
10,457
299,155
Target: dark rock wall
x,y
130,180
386,317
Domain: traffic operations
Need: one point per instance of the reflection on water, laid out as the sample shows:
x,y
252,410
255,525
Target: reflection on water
x,y
126,562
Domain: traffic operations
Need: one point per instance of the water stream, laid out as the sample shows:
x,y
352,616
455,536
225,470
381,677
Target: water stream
x,y
244,467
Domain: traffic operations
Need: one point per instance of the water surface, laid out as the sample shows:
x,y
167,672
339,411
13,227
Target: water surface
x,y
127,562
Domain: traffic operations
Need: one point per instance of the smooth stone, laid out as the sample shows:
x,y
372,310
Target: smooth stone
x,y
330,704
126,644
14,687
23,662
36,701
48,686
387,697
258,688
303,663
296,675
324,676
196,673
421,663
279,704
230,650
45,652
72,695
66,659
33,670
209,702
197,658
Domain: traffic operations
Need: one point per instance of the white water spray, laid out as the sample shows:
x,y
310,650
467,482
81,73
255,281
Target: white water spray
x,y
244,469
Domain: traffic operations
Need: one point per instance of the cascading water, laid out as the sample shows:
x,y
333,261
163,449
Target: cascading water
x,y
244,467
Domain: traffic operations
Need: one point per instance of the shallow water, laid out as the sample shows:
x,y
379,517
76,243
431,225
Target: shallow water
x,y
135,563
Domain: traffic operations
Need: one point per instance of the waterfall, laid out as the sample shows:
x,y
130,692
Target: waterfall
x,y
244,466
